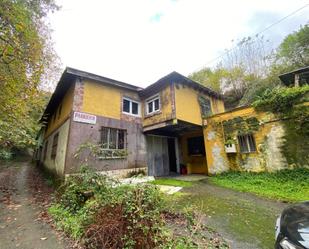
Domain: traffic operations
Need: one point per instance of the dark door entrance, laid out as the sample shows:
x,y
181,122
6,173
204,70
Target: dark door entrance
x,y
172,155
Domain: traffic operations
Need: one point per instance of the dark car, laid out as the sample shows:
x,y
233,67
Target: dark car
x,y
292,227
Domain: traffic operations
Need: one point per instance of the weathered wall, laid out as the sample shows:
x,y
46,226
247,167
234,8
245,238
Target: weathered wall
x,y
269,138
188,107
81,133
66,108
57,165
104,100
166,111
195,164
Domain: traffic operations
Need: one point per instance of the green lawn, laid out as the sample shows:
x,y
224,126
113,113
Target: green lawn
x,y
285,185
172,182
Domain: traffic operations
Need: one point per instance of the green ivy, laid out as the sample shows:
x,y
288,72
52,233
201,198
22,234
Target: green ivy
x,y
282,99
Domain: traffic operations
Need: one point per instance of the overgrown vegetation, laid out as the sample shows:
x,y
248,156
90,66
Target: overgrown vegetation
x,y
26,56
252,67
287,105
101,213
285,185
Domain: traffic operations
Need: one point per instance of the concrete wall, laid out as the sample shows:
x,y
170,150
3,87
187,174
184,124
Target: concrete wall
x,y
269,139
57,165
81,133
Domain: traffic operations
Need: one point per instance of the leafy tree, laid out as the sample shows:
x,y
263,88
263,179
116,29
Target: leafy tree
x,y
293,52
25,55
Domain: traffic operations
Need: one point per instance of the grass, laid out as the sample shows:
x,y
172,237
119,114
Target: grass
x,y
171,182
284,185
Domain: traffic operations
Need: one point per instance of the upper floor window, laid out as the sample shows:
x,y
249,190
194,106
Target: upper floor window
x,y
130,107
246,143
153,105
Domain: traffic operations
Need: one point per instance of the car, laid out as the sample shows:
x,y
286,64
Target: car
x,y
292,227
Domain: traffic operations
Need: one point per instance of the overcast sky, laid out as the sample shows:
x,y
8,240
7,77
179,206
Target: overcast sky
x,y
140,41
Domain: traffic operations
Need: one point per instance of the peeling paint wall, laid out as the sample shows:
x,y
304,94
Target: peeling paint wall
x,y
166,109
57,165
269,139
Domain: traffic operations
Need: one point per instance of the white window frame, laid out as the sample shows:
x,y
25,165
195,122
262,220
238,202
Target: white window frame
x,y
130,107
152,100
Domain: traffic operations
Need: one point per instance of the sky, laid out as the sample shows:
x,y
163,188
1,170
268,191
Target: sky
x,y
140,41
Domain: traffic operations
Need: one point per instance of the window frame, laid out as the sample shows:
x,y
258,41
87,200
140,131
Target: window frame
x,y
248,141
152,100
130,107
107,148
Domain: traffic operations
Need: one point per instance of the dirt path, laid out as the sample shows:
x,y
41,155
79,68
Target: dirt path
x,y
244,220
20,226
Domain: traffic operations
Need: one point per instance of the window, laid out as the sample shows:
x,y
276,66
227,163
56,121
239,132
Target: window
x,y
196,146
246,143
205,106
153,105
45,150
54,146
113,142
130,107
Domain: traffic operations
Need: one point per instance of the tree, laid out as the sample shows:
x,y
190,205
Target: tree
x,y
293,52
25,55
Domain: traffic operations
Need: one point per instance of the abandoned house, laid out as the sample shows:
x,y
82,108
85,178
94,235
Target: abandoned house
x,y
172,124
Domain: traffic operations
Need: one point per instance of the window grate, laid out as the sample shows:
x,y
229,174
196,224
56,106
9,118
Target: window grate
x,y
246,143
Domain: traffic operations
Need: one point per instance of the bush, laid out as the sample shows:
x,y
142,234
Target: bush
x,y
103,214
5,154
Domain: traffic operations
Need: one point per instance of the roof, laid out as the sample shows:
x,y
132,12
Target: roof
x,y
289,78
176,77
70,75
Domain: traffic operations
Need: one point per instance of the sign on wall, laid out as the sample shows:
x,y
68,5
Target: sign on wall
x,y
84,118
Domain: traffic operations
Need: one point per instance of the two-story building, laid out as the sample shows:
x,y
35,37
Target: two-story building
x,y
158,128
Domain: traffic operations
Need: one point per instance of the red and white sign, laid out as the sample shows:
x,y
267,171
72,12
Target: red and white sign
x,y
84,118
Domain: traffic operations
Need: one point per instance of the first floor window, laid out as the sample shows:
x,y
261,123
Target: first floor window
x,y
54,146
196,146
113,141
130,107
153,105
246,143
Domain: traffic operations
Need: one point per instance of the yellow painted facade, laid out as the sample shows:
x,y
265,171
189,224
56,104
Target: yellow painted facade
x,y
195,164
188,107
104,100
56,120
267,155
166,110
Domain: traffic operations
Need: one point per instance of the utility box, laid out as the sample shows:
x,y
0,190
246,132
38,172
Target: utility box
x,y
230,148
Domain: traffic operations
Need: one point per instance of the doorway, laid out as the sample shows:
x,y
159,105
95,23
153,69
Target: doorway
x,y
172,155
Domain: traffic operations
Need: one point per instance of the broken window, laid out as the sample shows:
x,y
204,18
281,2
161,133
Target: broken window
x,y
54,146
246,143
196,146
153,105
